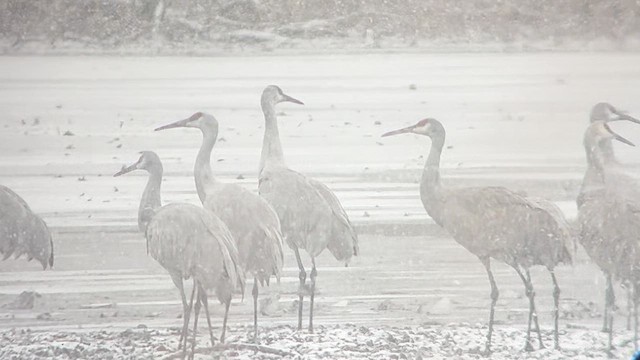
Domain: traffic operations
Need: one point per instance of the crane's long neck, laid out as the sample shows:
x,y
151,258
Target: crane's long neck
x,y
271,146
151,200
599,155
606,148
430,184
205,182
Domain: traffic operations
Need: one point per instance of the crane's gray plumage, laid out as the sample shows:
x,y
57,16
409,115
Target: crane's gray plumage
x,y
251,220
616,178
187,239
189,242
608,217
22,232
311,216
494,222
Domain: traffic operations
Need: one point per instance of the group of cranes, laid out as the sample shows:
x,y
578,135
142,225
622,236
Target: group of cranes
x,y
238,233
521,231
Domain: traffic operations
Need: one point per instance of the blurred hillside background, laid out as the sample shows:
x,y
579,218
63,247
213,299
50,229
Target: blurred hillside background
x,y
221,25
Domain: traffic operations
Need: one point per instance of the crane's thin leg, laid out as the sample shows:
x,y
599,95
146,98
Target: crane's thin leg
x,y
611,301
224,321
556,306
527,345
195,324
630,302
255,310
494,298
635,314
535,312
605,325
177,280
205,304
185,324
303,278
312,277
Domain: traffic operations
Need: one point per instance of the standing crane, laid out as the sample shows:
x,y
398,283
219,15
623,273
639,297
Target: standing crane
x,y
494,222
311,216
251,220
606,112
189,242
22,232
609,220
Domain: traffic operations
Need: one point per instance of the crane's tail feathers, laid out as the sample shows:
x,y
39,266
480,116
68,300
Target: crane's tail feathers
x,y
51,256
573,237
276,251
228,249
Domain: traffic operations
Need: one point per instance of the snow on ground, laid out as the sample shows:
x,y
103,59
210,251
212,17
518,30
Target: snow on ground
x,y
348,341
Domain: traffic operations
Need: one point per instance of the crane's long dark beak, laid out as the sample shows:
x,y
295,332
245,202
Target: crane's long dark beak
x,y
623,116
177,124
288,98
126,169
623,140
399,131
617,136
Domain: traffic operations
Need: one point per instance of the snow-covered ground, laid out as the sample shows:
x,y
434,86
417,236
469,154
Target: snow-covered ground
x,y
517,120
346,341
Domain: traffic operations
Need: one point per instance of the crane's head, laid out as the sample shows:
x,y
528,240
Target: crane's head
x,y
149,161
203,121
272,95
429,127
606,112
600,131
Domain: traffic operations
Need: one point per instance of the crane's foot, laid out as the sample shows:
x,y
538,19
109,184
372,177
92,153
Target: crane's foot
x,y
486,352
528,347
610,353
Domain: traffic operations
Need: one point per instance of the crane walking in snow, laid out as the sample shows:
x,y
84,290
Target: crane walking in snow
x,y
495,222
311,216
189,242
609,219
22,232
251,220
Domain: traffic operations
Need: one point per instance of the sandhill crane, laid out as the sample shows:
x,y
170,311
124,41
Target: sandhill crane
x,y
22,232
189,242
609,220
606,112
251,220
494,222
311,216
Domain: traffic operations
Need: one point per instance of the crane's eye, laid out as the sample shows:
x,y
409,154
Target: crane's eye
x,y
423,123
